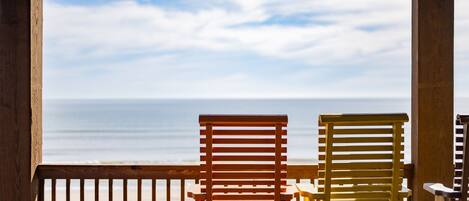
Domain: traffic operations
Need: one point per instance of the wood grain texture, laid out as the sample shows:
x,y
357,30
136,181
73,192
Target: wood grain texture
x,y
461,168
361,157
432,93
20,98
188,172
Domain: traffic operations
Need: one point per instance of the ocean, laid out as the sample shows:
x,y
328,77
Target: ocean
x,y
165,131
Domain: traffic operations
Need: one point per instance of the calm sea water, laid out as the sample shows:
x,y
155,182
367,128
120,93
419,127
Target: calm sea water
x,y
166,131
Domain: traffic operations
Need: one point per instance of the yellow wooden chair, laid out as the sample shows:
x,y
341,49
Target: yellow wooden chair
x,y
360,158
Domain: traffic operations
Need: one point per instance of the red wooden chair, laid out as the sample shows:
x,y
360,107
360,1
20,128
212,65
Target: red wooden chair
x,y
243,157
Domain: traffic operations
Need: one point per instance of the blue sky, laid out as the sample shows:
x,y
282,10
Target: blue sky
x,y
234,48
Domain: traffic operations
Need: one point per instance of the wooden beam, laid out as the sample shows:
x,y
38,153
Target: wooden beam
x,y
20,98
432,93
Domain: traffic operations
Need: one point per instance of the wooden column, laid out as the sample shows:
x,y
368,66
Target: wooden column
x,y
20,98
432,93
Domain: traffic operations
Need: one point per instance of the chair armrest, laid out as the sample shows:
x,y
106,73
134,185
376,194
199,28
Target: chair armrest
x,y
441,190
194,191
405,192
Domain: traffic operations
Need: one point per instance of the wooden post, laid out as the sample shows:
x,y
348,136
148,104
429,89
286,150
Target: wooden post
x,y
20,98
432,93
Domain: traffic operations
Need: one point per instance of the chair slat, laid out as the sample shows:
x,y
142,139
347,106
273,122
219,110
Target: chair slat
x,y
359,131
360,156
242,141
242,150
359,140
360,173
243,158
361,165
368,181
353,148
242,175
349,188
243,132
244,167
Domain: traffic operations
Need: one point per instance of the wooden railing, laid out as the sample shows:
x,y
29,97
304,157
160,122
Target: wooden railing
x,y
146,180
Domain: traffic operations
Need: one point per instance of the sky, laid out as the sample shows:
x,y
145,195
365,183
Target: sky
x,y
235,48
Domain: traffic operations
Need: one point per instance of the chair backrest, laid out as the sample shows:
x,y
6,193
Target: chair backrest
x,y
361,156
461,156
243,157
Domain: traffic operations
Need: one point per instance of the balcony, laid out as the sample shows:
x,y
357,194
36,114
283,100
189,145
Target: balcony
x,y
140,182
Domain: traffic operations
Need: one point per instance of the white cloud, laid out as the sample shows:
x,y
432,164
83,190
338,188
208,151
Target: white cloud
x,y
371,37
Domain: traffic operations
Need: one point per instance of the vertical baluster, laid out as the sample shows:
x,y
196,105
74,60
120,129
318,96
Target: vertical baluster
x,y
153,189
183,189
110,189
67,189
41,190
298,181
124,189
139,189
82,190
53,190
168,189
96,190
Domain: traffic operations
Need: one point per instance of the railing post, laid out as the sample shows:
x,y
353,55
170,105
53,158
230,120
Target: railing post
x,y
20,98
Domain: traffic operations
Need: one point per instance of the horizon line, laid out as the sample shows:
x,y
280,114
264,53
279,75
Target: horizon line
x,y
234,98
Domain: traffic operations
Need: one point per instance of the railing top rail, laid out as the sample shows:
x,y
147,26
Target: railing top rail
x,y
180,171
